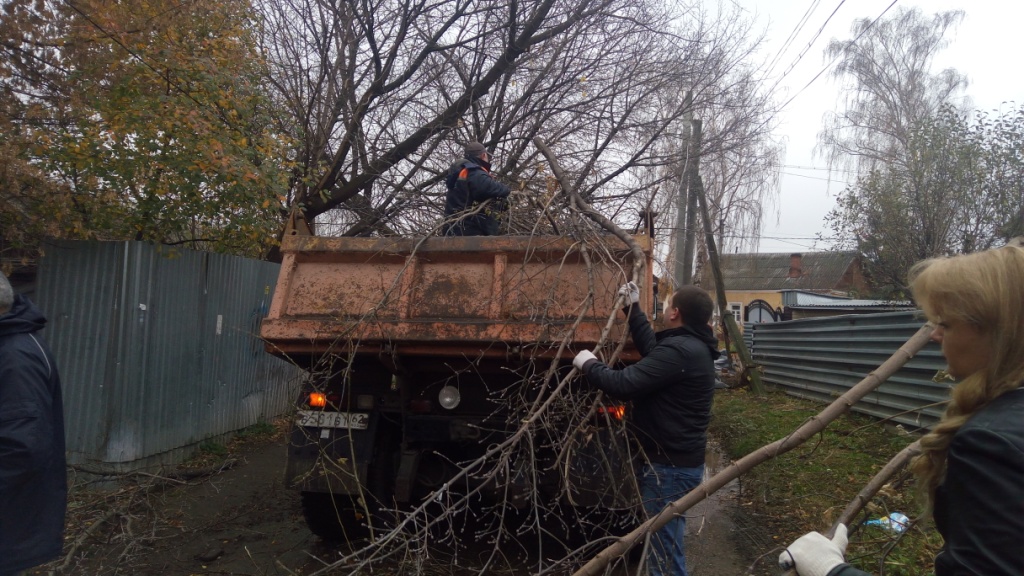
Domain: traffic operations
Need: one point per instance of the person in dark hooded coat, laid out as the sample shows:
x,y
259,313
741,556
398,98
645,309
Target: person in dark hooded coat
x,y
470,185
671,389
33,480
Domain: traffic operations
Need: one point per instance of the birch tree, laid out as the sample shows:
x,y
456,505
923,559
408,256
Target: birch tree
x,y
933,175
886,71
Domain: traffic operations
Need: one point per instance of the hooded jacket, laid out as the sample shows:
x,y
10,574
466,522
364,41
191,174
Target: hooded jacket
x,y
469,182
33,480
671,389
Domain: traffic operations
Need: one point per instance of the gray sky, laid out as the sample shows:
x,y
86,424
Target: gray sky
x,y
982,47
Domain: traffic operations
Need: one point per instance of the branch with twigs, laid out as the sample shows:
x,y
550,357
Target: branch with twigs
x,y
897,463
583,206
121,503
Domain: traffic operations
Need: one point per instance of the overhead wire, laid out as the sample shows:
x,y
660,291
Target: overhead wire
x,y
833,61
808,85
821,168
803,52
792,35
837,181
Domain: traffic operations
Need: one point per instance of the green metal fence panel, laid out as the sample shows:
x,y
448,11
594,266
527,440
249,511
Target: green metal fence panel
x,y
822,358
158,349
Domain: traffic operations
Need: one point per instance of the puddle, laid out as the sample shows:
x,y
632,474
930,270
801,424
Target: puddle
x,y
714,544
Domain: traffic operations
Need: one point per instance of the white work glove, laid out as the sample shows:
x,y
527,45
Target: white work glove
x,y
630,294
582,359
815,555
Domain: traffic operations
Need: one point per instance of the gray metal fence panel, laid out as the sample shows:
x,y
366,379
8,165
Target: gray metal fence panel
x,y
822,358
158,350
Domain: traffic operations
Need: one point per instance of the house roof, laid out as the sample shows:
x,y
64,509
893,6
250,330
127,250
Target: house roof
x,y
801,299
770,271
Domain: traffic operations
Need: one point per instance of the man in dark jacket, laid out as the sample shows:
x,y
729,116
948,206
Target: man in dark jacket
x,y
671,389
33,481
470,185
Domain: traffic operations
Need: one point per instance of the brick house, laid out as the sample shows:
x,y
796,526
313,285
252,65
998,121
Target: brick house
x,y
763,286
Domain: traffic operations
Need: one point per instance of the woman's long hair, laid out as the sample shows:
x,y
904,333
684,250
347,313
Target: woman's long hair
x,y
985,289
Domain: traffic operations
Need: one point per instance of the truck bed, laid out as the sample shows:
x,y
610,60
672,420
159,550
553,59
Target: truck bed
x,y
447,297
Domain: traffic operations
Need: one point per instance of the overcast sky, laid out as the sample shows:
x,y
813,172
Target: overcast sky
x,y
983,47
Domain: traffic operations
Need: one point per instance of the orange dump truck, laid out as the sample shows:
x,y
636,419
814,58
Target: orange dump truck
x,y
422,353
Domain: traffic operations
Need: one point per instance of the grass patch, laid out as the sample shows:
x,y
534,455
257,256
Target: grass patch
x,y
213,449
258,431
806,488
212,452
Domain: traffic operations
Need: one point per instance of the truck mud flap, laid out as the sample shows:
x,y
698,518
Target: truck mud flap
x,y
601,472
406,477
334,460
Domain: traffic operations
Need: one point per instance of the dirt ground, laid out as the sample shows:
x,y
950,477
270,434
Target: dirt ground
x,y
243,521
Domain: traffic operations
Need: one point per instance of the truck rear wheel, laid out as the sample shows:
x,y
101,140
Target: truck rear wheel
x,y
334,518
339,518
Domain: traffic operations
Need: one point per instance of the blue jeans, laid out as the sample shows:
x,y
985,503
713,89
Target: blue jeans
x,y
660,485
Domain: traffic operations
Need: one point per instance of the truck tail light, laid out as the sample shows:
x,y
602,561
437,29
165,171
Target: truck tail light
x,y
420,406
615,412
317,400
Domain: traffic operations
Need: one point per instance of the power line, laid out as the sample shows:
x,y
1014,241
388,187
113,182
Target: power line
x,y
822,168
816,178
829,65
801,244
803,52
792,35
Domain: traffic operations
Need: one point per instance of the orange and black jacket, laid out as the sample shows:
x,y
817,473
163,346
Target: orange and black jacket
x,y
469,183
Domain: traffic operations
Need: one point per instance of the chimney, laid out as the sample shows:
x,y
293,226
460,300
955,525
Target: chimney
x,y
796,268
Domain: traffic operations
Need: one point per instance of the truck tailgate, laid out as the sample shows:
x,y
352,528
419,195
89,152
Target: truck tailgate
x,y
448,296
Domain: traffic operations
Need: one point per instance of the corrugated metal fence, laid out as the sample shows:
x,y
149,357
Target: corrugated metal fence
x,y
822,358
158,349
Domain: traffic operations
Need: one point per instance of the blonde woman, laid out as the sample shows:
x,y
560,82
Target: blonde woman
x,y
971,469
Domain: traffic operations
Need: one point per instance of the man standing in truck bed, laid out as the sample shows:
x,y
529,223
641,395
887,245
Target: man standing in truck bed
x,y
470,185
671,388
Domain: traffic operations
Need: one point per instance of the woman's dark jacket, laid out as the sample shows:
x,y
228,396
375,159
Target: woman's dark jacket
x,y
671,389
470,183
33,480
979,507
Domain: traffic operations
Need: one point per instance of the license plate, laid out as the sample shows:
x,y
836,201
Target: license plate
x,y
315,418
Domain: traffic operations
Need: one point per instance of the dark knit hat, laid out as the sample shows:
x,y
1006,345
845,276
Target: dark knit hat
x,y
474,149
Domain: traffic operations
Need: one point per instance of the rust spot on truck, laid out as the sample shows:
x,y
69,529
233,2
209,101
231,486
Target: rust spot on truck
x,y
448,297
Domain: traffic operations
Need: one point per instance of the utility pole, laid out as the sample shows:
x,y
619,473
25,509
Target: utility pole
x,y
685,205
692,174
729,327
